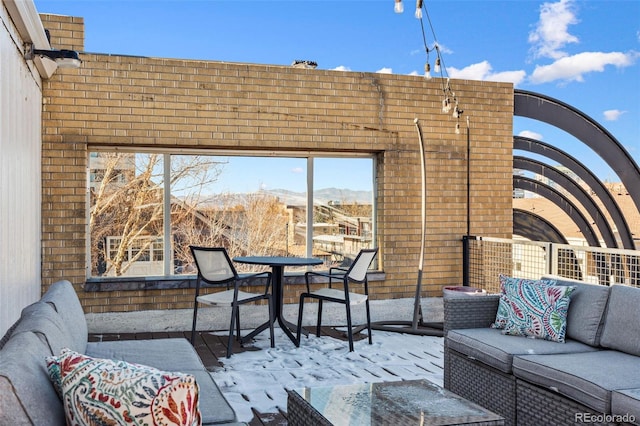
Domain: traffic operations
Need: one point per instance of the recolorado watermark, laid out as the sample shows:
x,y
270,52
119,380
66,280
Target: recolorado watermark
x,y
604,418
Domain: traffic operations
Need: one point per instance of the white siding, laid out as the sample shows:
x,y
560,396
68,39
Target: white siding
x,y
20,177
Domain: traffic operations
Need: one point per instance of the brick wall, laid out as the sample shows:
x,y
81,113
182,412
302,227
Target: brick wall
x,y
123,101
67,32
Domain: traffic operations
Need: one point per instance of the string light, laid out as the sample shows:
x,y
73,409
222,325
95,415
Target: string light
x,y
449,100
418,9
456,110
446,105
427,71
398,8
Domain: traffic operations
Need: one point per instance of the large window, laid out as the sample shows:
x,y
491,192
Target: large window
x,y
251,205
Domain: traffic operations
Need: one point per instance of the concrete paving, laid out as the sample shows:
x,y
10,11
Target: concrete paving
x,y
251,316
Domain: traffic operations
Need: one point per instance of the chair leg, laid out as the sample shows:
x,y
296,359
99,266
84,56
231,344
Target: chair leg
x,y
234,311
193,324
366,303
349,329
319,317
299,329
238,338
271,319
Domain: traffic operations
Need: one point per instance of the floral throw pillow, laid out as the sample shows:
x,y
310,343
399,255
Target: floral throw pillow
x,y
505,306
106,392
539,311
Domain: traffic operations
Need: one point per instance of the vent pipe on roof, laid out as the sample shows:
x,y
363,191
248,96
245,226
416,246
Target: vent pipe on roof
x,y
304,64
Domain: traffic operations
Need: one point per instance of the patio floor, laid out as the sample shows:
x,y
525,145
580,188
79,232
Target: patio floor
x,y
254,379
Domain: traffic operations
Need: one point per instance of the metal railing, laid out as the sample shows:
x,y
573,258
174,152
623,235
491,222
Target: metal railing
x,y
486,257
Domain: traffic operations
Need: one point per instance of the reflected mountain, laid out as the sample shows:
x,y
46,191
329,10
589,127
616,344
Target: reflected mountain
x,y
335,196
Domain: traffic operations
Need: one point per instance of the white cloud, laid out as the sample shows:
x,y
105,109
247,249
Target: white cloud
x,y
297,170
573,68
385,70
484,71
341,68
477,71
515,77
551,33
612,114
414,73
531,135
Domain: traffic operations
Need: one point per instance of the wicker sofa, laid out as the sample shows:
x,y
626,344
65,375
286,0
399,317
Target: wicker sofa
x,y
594,377
27,396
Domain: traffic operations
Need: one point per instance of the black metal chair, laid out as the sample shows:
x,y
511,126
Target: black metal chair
x,y
215,267
356,273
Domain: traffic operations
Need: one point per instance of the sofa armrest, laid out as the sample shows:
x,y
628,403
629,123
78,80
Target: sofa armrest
x,y
470,312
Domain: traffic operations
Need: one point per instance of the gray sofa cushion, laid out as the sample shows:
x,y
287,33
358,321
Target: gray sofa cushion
x,y
171,355
587,309
25,384
622,324
493,348
588,378
214,407
42,319
62,296
626,403
163,354
27,395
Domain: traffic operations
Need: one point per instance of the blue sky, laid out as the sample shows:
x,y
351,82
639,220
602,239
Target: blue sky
x,y
250,174
583,53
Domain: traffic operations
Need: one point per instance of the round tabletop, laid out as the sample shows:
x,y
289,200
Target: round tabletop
x,y
278,260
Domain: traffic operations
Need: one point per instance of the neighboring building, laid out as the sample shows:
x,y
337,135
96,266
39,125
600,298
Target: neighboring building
x,y
518,192
554,214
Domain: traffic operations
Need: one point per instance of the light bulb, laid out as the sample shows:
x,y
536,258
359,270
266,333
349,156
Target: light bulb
x,y
399,7
437,67
455,112
427,71
419,9
457,128
446,106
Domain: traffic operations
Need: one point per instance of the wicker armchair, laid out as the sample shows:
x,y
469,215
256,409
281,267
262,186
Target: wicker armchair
x,y
469,378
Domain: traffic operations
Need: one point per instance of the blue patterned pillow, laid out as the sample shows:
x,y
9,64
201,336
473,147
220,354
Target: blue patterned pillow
x,y
505,307
540,312
102,391
537,310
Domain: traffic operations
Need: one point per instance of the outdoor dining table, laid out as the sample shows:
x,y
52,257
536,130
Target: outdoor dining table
x,y
277,264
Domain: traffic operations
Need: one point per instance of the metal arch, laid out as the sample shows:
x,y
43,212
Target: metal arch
x,y
587,130
549,151
561,201
534,227
578,193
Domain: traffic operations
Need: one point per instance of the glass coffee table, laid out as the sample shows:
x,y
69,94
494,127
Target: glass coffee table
x,y
410,402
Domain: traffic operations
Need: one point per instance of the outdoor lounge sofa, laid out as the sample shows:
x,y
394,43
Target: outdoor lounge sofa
x,y
593,377
27,395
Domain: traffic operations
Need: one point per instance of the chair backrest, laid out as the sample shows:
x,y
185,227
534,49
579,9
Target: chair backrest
x,y
358,269
214,264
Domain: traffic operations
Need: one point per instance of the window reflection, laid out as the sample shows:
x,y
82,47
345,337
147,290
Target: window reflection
x,y
250,205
